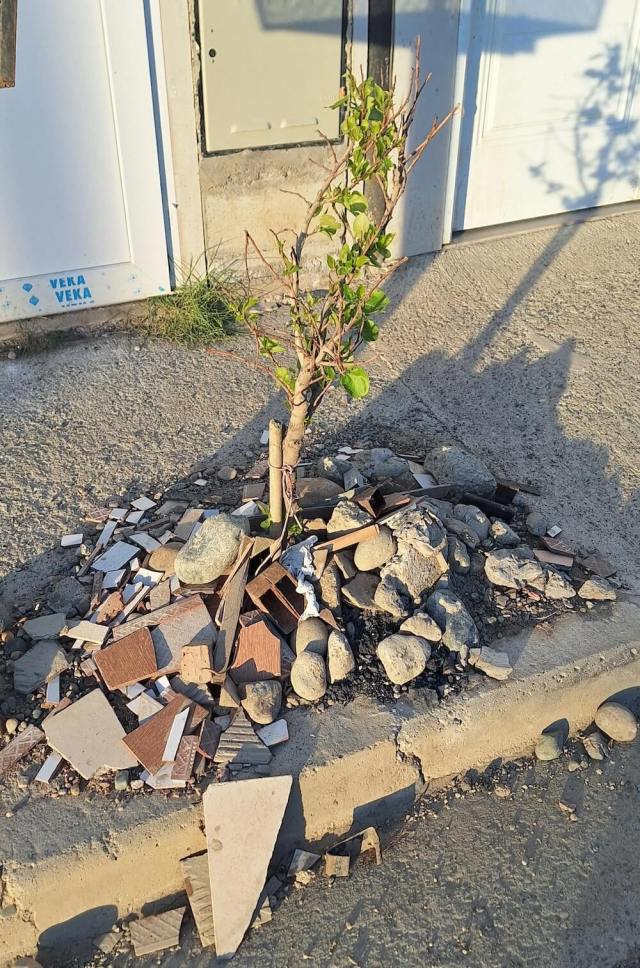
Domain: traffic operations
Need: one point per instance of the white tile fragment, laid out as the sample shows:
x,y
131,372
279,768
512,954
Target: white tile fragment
x,y
143,503
161,684
106,534
115,557
274,733
113,579
144,706
87,631
145,541
71,540
264,437
48,768
210,513
247,510
135,517
52,694
554,531
175,735
134,690
118,514
201,482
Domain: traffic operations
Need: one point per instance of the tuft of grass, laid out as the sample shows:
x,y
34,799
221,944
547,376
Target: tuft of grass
x,y
199,312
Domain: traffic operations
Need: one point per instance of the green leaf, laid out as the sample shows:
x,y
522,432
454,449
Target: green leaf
x,y
377,301
370,331
356,203
328,224
361,225
356,382
269,346
285,377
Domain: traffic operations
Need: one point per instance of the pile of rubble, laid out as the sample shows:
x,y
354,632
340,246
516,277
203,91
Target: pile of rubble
x,y
170,653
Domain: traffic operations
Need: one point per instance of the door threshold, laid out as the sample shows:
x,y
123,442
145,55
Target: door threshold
x,y
486,232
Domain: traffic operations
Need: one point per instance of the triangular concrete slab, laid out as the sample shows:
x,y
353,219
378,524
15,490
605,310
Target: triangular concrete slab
x,y
242,820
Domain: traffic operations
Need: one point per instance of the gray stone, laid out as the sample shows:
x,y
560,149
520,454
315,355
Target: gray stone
x,y
404,657
420,529
226,473
310,635
211,550
451,465
44,661
361,590
617,722
6,616
509,570
330,585
458,556
262,701
462,531
315,490
595,745
503,535
347,516
459,631
121,781
340,660
375,552
549,746
309,676
405,579
422,625
346,566
440,509
597,590
378,463
494,664
45,626
558,587
536,523
333,468
68,594
474,518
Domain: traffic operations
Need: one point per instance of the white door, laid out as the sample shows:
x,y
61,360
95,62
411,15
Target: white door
x,y
81,212
552,113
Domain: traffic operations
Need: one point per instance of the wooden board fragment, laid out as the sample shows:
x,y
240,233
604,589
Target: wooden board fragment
x,y
128,660
20,745
349,539
257,654
239,744
157,932
195,872
239,853
148,741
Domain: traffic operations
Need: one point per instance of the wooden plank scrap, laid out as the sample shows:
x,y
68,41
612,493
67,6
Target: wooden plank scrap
x,y
349,539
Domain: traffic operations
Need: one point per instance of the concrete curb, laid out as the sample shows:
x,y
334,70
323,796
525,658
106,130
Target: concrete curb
x,y
71,867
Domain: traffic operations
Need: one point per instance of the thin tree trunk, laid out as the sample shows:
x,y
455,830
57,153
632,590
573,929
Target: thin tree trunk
x,y
294,437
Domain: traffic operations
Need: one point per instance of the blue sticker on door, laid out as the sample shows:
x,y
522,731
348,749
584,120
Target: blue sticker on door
x,y
71,290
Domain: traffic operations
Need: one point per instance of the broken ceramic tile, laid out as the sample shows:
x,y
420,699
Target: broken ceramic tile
x,y
45,626
115,557
71,540
274,733
157,932
239,744
148,741
257,654
88,734
162,779
239,854
145,541
209,739
52,693
48,768
127,661
113,579
41,663
195,872
196,662
302,860
86,631
143,706
175,735
185,758
18,747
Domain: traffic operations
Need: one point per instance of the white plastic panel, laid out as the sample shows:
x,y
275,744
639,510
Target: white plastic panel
x,y
270,68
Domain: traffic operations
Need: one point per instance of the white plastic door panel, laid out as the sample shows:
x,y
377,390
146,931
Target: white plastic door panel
x,y
81,211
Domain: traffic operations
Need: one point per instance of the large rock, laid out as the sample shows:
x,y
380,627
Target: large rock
x,y
309,676
68,594
330,584
597,590
503,535
164,558
378,463
311,635
419,528
375,552
422,625
459,631
334,469
451,465
404,657
360,591
509,569
315,490
340,660
405,579
617,722
262,701
474,518
536,523
347,516
463,532
211,550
